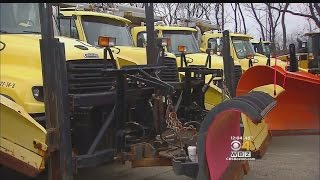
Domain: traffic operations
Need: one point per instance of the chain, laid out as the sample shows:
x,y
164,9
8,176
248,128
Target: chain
x,y
225,92
172,119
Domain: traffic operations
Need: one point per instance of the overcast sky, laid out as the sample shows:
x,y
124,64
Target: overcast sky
x,y
294,23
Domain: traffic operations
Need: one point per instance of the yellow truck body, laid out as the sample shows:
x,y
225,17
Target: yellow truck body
x,y
23,139
240,47
128,54
195,57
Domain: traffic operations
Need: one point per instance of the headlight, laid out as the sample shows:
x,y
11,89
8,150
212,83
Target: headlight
x,y
37,92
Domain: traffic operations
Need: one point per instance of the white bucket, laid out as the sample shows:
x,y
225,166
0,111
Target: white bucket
x,y
192,151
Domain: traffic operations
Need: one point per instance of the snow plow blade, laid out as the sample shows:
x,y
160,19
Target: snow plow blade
x,y
221,123
22,142
297,95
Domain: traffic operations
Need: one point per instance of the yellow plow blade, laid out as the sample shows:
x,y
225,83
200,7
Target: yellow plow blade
x,y
22,142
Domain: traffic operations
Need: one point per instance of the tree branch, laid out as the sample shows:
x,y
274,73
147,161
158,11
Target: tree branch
x,y
291,12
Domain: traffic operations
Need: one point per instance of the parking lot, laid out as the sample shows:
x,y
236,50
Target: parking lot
x,y
287,158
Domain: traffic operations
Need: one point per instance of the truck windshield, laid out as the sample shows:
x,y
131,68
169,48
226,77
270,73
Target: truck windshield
x,y
266,48
21,18
100,26
185,38
309,44
316,39
242,47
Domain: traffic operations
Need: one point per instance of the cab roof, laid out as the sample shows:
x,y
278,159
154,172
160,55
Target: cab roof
x,y
256,41
312,33
91,13
219,34
170,28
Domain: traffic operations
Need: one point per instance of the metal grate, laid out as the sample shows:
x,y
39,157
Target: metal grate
x,y
170,74
86,76
237,74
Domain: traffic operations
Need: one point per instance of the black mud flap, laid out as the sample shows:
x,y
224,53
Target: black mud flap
x,y
220,123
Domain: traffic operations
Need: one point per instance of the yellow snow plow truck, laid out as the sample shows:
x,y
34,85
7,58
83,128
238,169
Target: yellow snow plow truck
x,y
241,49
262,47
313,52
23,139
88,26
180,35
182,40
308,53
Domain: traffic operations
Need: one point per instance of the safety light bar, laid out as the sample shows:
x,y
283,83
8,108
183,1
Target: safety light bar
x,y
106,41
182,48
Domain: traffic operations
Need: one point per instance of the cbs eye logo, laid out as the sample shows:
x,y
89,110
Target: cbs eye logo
x,y
235,145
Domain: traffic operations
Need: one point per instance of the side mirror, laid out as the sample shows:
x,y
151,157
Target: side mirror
x,y
67,27
141,42
250,56
211,51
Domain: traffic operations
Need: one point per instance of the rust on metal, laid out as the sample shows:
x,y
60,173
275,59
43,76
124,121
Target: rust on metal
x,y
39,145
20,166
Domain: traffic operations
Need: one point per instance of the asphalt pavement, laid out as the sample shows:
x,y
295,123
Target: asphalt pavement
x,y
287,158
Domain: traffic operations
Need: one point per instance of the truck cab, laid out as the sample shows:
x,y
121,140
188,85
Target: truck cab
x,y
261,47
21,87
21,74
241,49
88,26
184,36
313,44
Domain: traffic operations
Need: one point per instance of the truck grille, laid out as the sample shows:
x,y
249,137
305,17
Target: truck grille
x,y
86,76
237,74
169,74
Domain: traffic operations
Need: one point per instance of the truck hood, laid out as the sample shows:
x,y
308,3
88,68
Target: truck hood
x,y
134,55
200,59
26,47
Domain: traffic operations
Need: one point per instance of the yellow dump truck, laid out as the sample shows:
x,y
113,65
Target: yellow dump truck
x,y
313,50
22,97
184,36
262,47
240,48
88,26
307,52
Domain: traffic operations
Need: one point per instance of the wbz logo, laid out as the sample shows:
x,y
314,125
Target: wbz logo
x,y
241,154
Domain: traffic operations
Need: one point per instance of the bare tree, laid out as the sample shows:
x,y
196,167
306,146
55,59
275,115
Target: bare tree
x,y
235,16
217,10
257,18
167,10
273,23
219,15
222,16
313,12
283,24
243,19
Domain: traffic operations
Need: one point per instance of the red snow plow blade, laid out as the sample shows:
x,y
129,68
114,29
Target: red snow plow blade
x,y
298,103
216,132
